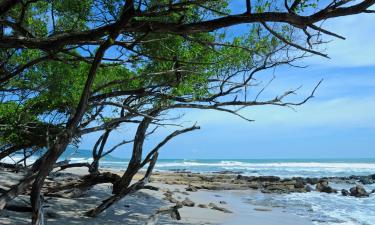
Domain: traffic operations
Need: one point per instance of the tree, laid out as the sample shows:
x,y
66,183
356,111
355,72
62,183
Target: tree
x,y
65,64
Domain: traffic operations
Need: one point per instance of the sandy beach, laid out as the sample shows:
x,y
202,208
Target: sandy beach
x,y
210,207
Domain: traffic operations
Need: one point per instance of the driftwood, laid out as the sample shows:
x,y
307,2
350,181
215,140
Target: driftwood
x,y
172,211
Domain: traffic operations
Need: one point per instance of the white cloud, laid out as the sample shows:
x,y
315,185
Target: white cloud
x,y
339,113
358,48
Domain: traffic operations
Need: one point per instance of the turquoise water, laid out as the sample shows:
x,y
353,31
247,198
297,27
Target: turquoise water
x,y
258,167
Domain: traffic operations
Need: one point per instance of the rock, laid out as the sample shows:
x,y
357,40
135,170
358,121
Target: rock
x,y
204,206
312,181
187,202
239,177
228,172
345,192
358,191
366,180
185,193
253,185
373,191
322,186
263,209
309,188
191,188
283,187
299,184
268,178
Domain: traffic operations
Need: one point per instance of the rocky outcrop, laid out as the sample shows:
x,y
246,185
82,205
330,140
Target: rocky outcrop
x,y
323,186
266,184
359,191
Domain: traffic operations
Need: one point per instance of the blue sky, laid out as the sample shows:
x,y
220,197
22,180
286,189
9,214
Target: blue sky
x,y
338,123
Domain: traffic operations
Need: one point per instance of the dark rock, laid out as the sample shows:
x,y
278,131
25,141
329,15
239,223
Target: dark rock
x,y
187,202
259,179
366,180
299,184
345,192
373,191
322,186
228,172
268,178
358,191
312,181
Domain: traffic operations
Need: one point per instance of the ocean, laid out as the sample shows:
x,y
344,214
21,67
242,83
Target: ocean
x,y
322,208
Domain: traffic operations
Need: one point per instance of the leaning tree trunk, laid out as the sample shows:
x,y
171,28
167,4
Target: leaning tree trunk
x,y
63,140
97,154
45,166
136,158
125,191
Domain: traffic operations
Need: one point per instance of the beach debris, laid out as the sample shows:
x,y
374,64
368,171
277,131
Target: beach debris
x,y
169,197
222,209
172,211
359,191
187,202
191,188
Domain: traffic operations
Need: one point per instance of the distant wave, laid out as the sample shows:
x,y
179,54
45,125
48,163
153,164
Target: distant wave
x,y
237,164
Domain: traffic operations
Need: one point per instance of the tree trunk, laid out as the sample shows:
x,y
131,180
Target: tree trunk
x,y
46,165
97,154
124,192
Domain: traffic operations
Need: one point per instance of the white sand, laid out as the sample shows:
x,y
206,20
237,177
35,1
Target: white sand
x,y
136,208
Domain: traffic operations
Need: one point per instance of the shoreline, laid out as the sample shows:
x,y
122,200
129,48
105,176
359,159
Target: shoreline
x,y
208,198
137,208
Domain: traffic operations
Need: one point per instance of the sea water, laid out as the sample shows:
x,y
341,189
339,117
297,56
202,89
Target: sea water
x,y
321,208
